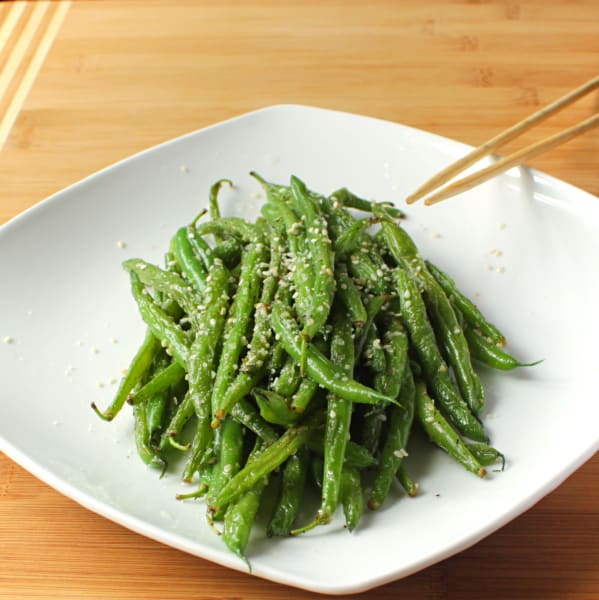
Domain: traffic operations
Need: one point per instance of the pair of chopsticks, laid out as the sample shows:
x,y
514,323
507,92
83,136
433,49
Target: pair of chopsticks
x,y
512,160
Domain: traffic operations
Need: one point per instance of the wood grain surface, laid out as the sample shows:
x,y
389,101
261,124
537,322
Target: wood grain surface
x,y
122,76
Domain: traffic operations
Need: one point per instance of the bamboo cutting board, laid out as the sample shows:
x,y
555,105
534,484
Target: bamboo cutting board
x,y
83,84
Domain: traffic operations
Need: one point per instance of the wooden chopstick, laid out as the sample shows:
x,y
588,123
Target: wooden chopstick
x,y
513,160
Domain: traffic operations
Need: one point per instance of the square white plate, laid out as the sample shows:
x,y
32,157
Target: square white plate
x,y
525,245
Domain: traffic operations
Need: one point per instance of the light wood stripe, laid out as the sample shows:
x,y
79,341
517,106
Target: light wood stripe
x,y
17,69
6,30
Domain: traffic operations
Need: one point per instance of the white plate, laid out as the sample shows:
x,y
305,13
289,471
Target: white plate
x,y
64,295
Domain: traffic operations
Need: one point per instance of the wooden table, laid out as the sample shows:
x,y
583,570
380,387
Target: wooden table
x,y
85,84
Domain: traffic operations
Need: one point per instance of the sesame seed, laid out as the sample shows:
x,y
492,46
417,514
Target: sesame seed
x,y
502,226
8,339
93,350
184,169
113,340
120,244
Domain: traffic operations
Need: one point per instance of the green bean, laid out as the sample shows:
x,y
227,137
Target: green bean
x,y
442,315
442,434
245,413
488,353
202,251
352,497
349,240
470,311
319,368
356,456
288,379
159,383
191,268
268,460
394,448
202,358
214,209
303,395
322,258
373,307
339,412
302,268
169,284
347,198
374,355
147,453
275,408
349,296
485,454
229,226
405,480
290,495
237,326
240,515
140,365
229,251
229,461
435,370
258,350
171,336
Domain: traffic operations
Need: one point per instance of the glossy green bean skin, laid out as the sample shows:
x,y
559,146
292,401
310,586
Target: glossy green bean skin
x,y
191,267
352,497
349,240
172,337
355,455
349,296
234,226
302,397
339,412
159,383
168,283
442,434
229,460
260,343
289,378
321,255
435,369
291,493
485,454
406,482
443,317
319,368
347,198
268,460
488,353
240,514
139,367
240,314
146,451
202,358
213,207
202,251
275,408
396,441
470,311
245,413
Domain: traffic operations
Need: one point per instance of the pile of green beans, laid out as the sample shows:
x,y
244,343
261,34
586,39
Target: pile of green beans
x,y
303,349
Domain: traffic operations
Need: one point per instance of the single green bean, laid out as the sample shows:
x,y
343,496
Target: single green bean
x,y
290,495
442,434
139,367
